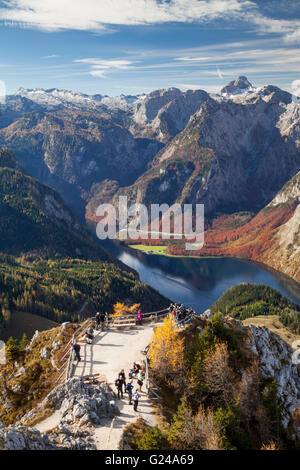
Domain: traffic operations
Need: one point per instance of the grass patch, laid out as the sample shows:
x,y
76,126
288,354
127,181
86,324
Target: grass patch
x,y
274,324
154,250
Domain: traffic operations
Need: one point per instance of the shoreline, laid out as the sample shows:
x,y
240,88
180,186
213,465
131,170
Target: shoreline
x,y
161,252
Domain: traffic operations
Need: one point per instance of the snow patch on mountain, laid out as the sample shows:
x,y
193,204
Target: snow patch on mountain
x,y
54,98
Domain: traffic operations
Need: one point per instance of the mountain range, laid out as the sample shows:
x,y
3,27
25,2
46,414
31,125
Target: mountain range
x,y
233,151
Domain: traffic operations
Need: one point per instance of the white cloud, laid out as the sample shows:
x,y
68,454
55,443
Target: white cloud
x,y
105,64
99,67
293,36
51,56
193,59
295,85
98,73
290,29
101,15
219,73
95,15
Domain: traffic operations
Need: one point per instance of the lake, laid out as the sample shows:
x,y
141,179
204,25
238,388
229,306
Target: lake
x,y
200,282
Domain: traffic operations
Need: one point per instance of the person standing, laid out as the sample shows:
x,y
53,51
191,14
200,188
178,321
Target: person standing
x,y
122,377
102,320
139,317
97,318
129,389
140,380
89,335
135,397
119,385
76,349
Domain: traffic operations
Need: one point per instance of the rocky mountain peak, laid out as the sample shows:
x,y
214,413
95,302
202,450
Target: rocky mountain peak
x,y
239,85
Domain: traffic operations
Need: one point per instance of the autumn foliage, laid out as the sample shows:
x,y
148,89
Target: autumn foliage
x,y
122,309
167,351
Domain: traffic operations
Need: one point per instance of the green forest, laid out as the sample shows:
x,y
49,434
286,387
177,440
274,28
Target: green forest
x,y
57,289
250,300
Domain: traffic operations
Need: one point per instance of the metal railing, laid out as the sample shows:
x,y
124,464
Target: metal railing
x,y
151,387
69,352
185,320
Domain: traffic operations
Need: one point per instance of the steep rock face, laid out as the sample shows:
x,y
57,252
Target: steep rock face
x,y
164,113
23,438
71,151
284,252
253,146
275,357
240,85
271,237
35,218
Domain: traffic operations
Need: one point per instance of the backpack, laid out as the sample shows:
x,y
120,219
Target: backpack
x,y
129,387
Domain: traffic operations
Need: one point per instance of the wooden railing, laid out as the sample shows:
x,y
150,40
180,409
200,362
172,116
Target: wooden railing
x,y
69,352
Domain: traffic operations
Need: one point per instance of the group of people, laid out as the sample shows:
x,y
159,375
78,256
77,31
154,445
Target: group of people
x,y
100,319
133,395
180,312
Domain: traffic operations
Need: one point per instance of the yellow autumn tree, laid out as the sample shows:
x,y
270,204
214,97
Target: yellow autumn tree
x,y
270,446
166,353
122,309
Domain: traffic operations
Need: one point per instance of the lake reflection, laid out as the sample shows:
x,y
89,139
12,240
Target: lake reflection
x,y
200,282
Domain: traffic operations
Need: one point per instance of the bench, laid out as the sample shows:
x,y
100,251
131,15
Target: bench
x,y
124,322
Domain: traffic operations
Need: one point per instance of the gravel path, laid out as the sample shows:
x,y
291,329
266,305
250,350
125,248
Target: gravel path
x,y
49,423
110,352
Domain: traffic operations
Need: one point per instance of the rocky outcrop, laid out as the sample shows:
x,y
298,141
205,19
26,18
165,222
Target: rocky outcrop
x,y
71,151
77,402
163,113
23,438
80,406
271,237
243,152
43,218
240,85
275,358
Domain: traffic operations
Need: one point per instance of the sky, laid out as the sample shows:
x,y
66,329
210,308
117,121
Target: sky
x,y
135,46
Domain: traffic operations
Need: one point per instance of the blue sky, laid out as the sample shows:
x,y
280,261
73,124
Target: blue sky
x,y
134,46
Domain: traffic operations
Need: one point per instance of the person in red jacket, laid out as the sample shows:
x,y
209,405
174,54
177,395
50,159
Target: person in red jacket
x,y
139,317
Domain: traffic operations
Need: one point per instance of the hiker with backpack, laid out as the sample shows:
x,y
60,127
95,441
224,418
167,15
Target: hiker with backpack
x,y
135,397
129,389
76,349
